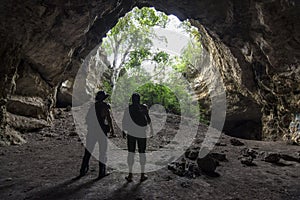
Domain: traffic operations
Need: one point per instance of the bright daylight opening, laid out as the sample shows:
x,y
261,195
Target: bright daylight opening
x,y
160,51
162,59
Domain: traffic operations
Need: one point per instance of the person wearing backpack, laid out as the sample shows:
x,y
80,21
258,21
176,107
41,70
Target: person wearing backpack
x,y
135,121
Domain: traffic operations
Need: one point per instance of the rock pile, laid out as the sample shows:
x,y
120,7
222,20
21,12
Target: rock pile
x,y
192,166
248,155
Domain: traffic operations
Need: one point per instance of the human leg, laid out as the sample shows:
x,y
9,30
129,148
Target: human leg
x,y
85,163
90,144
142,142
131,145
102,156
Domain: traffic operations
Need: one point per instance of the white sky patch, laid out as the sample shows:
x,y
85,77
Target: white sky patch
x,y
174,40
176,37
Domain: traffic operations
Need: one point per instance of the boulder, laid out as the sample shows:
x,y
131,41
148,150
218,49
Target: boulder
x,y
272,157
207,164
236,142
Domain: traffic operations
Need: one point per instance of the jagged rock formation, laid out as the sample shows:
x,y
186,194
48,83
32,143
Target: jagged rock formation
x,y
255,45
89,79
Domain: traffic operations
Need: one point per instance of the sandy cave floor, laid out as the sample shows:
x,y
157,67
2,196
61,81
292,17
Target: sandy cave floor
x,y
45,168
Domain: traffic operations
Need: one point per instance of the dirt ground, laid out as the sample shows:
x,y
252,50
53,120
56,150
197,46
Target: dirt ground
x,y
46,167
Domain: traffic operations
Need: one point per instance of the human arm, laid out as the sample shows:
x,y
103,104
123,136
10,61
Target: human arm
x,y
125,123
110,123
149,122
109,120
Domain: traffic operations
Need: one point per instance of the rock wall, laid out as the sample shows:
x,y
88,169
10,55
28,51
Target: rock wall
x,y
256,47
255,44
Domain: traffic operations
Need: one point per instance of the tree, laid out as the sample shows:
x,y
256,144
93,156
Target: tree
x,y
129,43
191,57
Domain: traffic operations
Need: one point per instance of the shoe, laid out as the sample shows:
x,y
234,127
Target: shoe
x,y
102,171
143,178
102,175
83,171
129,178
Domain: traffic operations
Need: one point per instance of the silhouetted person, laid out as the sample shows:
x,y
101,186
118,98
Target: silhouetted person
x,y
99,124
135,121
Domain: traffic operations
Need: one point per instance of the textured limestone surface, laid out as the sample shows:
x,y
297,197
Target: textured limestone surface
x,y
255,45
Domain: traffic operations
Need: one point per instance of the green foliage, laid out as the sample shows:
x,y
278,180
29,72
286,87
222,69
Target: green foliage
x,y
150,17
136,57
161,57
134,31
174,101
107,87
193,31
179,65
191,53
159,94
129,43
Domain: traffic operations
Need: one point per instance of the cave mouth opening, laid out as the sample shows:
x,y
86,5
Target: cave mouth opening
x,y
41,64
162,58
154,48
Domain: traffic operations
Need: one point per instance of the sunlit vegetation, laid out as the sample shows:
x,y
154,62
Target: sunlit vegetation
x,y
129,47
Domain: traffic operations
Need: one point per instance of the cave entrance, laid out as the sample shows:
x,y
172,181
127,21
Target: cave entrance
x,y
161,51
161,58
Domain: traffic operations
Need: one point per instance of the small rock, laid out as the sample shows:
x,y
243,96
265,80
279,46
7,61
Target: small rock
x,y
168,178
236,142
290,158
50,135
248,152
68,108
58,114
185,168
247,161
221,144
185,184
192,153
177,168
198,141
72,134
192,170
272,157
207,164
262,154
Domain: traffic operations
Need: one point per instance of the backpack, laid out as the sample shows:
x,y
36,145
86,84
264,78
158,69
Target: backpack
x,y
138,114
